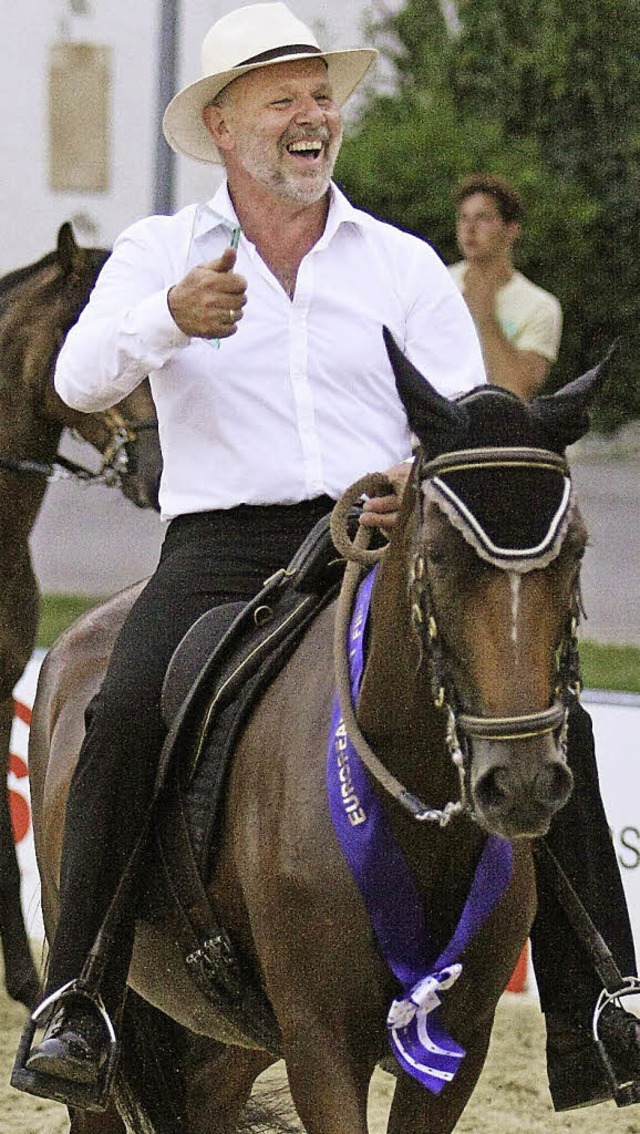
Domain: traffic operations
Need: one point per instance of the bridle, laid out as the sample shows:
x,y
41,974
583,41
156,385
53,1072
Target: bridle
x,y
568,681
462,727
116,457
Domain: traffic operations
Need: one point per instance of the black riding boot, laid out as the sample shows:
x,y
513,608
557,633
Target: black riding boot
x,y
568,984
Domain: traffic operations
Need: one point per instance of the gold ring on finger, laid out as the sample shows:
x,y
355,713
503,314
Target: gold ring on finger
x,y
232,314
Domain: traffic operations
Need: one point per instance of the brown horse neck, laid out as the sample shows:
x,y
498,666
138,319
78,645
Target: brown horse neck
x,y
396,709
398,717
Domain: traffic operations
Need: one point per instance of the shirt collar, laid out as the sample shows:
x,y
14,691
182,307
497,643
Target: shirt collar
x,y
219,212
341,211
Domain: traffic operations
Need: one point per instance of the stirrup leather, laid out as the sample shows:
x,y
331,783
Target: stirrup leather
x,y
85,1096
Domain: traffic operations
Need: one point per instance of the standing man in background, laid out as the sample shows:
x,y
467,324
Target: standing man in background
x,y
518,323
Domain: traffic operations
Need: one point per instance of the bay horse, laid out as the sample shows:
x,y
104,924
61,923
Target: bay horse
x,y
38,305
467,673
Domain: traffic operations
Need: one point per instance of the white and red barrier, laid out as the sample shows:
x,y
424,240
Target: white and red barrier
x,y
616,721
19,800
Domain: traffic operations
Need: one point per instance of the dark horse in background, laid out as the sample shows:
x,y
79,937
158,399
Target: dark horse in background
x,y
463,699
38,304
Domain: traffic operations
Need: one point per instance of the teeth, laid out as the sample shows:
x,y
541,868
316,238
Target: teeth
x,y
304,147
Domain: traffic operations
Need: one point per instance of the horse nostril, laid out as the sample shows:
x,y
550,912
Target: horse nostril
x,y
553,784
491,789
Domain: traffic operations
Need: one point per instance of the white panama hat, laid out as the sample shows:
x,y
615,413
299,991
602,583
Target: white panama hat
x,y
257,35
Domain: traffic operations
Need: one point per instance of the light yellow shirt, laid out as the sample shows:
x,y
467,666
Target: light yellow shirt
x,y
530,317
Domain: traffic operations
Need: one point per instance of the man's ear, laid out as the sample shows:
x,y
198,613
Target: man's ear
x,y
214,119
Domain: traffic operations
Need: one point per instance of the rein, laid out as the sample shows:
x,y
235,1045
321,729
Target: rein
x,y
358,555
115,458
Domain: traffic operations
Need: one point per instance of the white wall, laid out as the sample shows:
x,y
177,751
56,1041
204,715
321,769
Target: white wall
x,y
30,212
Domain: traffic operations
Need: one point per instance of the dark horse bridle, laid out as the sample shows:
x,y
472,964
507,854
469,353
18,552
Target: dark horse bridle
x,y
568,681
462,727
116,456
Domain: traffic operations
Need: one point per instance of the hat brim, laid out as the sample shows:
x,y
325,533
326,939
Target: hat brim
x,y
182,123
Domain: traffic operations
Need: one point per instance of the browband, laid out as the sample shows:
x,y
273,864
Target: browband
x,y
519,456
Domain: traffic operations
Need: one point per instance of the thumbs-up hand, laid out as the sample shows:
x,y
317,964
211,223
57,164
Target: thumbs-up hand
x,y
208,302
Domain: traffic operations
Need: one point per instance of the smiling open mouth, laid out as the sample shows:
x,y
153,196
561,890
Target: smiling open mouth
x,y
309,149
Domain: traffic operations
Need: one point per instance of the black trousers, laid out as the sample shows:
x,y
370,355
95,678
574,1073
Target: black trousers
x,y
208,559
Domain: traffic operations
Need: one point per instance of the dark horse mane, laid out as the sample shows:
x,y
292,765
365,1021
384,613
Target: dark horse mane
x,y
53,291
94,256
19,275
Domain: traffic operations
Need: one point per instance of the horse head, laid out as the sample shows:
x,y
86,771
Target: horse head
x,y
127,436
78,268
497,545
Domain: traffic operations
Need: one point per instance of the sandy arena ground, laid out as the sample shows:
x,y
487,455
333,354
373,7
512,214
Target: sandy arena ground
x,y
511,1097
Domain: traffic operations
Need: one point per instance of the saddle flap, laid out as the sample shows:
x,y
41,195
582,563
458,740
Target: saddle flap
x,y
192,653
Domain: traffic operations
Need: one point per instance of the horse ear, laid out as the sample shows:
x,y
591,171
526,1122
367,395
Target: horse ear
x,y
69,252
564,416
439,424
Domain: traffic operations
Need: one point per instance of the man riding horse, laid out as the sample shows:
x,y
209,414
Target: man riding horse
x,y
259,319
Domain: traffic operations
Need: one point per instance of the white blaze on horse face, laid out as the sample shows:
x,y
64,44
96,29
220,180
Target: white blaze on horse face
x,y
515,581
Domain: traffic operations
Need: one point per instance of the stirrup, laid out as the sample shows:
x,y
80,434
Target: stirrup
x,y
627,1093
85,1096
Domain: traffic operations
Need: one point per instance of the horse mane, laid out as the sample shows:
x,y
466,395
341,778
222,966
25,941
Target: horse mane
x,y
13,279
38,304
93,258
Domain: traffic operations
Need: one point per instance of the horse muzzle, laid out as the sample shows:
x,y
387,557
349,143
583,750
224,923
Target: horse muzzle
x,y
518,777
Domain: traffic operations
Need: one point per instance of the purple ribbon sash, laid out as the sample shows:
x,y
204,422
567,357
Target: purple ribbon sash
x,y
393,902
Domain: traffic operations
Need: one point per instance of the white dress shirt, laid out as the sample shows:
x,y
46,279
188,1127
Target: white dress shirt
x,y
301,401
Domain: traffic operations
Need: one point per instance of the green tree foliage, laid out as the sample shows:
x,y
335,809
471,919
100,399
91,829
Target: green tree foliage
x,y
546,93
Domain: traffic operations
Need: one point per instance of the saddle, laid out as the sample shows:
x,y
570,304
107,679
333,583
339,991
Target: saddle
x,y
214,679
